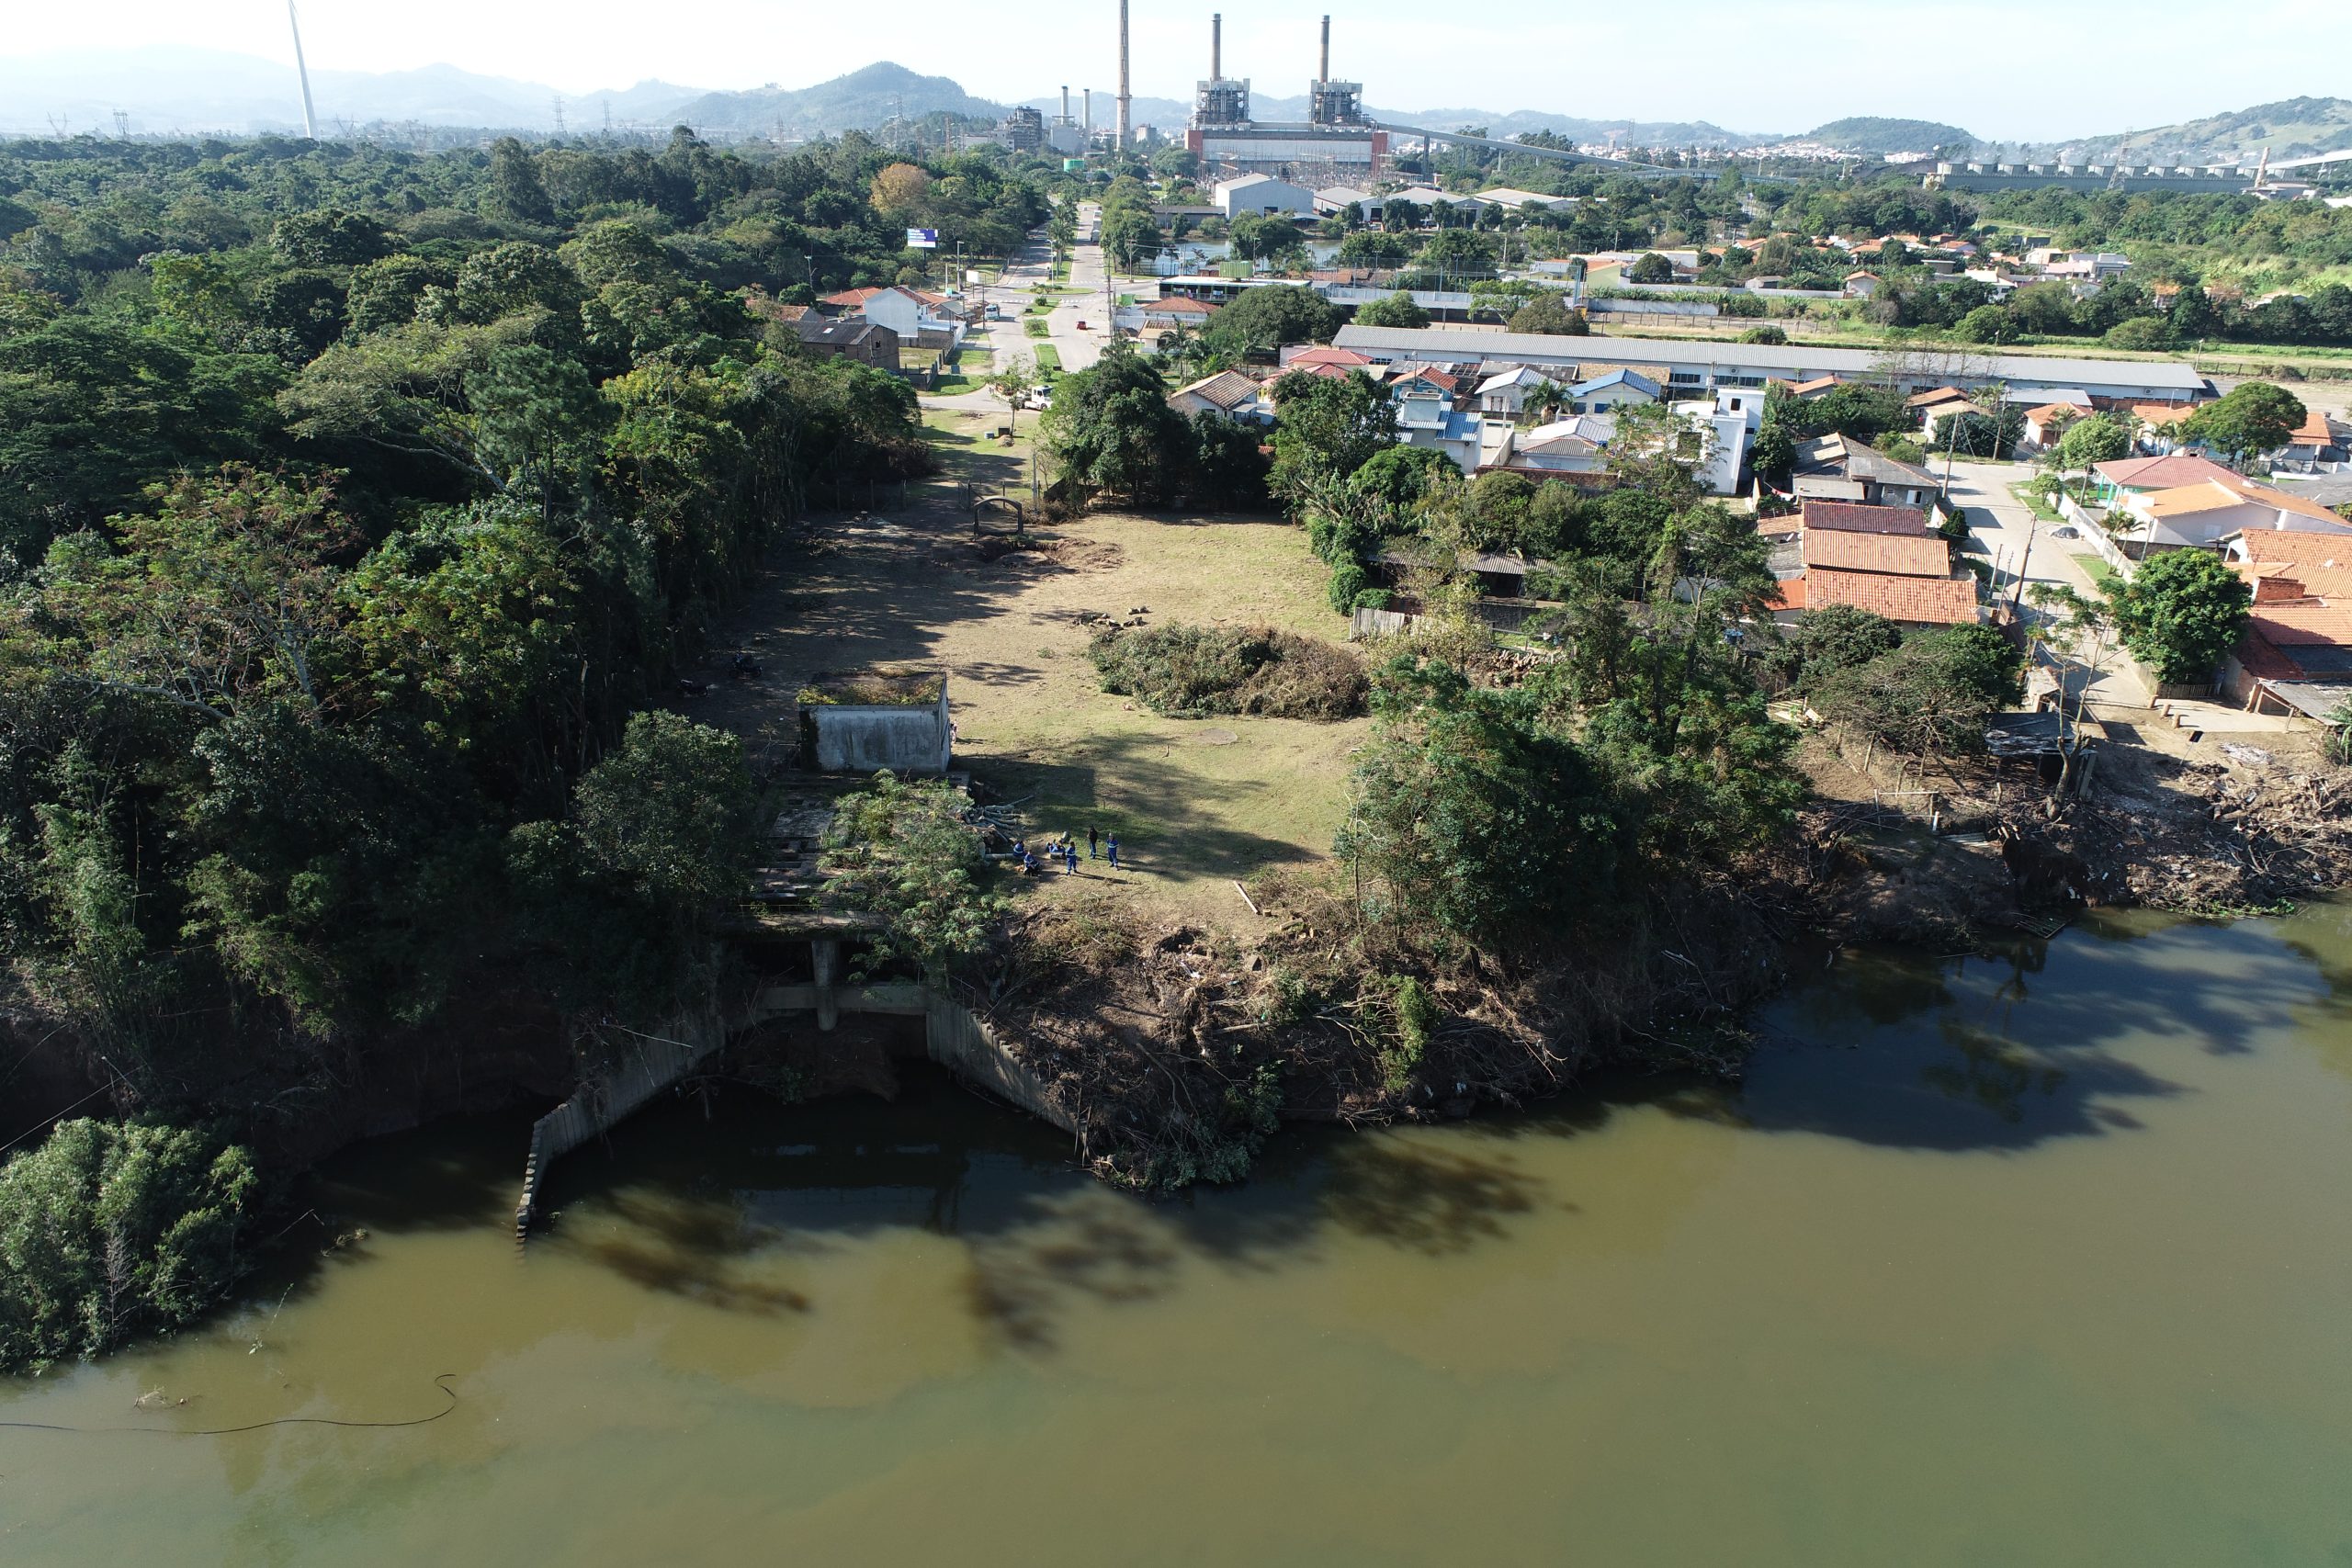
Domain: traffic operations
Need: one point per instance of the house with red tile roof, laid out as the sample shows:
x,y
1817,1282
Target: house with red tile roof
x,y
2296,655
1841,555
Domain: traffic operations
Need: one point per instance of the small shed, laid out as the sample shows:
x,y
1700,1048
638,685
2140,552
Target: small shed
x,y
865,723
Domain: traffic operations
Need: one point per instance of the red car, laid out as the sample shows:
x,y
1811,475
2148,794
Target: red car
x,y
1081,326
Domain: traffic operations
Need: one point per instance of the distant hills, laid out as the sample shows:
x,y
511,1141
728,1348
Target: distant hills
x,y
859,101
164,90
2292,128
1873,136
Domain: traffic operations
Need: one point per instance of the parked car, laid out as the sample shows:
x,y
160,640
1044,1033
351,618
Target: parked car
x,y
2065,531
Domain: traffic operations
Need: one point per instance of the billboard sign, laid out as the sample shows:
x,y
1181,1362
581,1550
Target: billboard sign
x,y
923,239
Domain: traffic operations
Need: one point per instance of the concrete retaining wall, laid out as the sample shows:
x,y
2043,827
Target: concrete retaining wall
x,y
862,739
954,1037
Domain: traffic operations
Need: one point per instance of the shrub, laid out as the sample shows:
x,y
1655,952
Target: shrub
x,y
1348,580
1774,336
1193,671
2181,611
110,1230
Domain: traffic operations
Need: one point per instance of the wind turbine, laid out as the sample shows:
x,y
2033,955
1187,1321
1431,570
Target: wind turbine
x,y
309,122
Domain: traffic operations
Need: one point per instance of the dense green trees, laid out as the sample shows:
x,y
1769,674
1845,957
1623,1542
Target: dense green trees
x,y
2180,612
111,1230
2250,417
1397,310
1111,431
351,505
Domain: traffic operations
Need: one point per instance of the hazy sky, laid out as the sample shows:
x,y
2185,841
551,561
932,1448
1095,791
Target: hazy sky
x,y
2006,69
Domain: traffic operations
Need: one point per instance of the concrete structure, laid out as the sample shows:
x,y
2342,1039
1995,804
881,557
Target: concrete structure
x,y
1861,473
1262,194
915,737
1726,435
1706,365
1428,418
1335,135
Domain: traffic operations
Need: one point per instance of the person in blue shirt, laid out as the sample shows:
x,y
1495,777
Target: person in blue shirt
x,y
1112,848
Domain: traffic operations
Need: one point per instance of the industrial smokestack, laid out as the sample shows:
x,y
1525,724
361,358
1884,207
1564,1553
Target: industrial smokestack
x,y
1065,103
309,120
1325,74
1216,46
1089,113
1126,100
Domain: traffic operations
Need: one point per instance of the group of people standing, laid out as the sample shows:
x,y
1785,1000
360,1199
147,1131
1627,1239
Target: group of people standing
x,y
1065,851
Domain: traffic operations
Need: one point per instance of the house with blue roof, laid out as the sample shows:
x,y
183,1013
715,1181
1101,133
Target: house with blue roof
x,y
1614,390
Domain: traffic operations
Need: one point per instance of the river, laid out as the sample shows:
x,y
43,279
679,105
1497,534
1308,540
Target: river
x,y
2045,1261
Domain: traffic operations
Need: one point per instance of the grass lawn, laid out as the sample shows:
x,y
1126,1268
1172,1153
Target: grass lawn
x,y
1049,359
1196,804
2030,497
1036,327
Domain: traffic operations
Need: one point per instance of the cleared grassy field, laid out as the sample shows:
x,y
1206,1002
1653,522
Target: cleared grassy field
x,y
1196,804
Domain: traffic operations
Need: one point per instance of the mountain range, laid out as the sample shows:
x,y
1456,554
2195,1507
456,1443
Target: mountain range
x,y
165,90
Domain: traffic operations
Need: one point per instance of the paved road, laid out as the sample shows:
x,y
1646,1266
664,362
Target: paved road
x,y
2006,530
1078,349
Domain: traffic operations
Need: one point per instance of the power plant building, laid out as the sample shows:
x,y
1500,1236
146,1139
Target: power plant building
x,y
1335,139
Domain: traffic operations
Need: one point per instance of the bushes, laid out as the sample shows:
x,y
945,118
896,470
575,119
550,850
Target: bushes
x,y
1348,580
1194,672
111,1230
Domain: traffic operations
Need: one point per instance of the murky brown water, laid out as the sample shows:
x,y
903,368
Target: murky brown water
x,y
1986,1265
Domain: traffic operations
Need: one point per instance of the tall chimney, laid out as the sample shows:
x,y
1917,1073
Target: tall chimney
x,y
1216,46
1089,112
1065,103
1325,73
1126,100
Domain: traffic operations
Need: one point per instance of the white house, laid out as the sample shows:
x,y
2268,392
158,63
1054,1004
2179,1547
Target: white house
x,y
1578,445
1429,419
1261,195
928,321
2198,516
1508,396
1724,434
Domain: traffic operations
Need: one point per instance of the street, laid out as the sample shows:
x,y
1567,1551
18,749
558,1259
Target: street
x,y
1077,349
2004,529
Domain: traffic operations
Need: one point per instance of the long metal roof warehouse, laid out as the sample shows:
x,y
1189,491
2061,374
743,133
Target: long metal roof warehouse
x,y
1704,364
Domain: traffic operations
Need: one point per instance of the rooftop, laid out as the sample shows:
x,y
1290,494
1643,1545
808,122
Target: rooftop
x,y
1845,518
1903,555
1443,343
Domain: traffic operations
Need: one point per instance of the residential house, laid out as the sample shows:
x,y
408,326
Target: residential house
x,y
2198,516
1227,393
1612,389
1177,314
1907,578
2322,438
1263,195
2156,427
2142,476
2045,424
869,343
1575,448
1308,356
1409,380
1868,475
2296,655
1723,434
1805,391
1863,285
1514,392
923,318
1427,417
